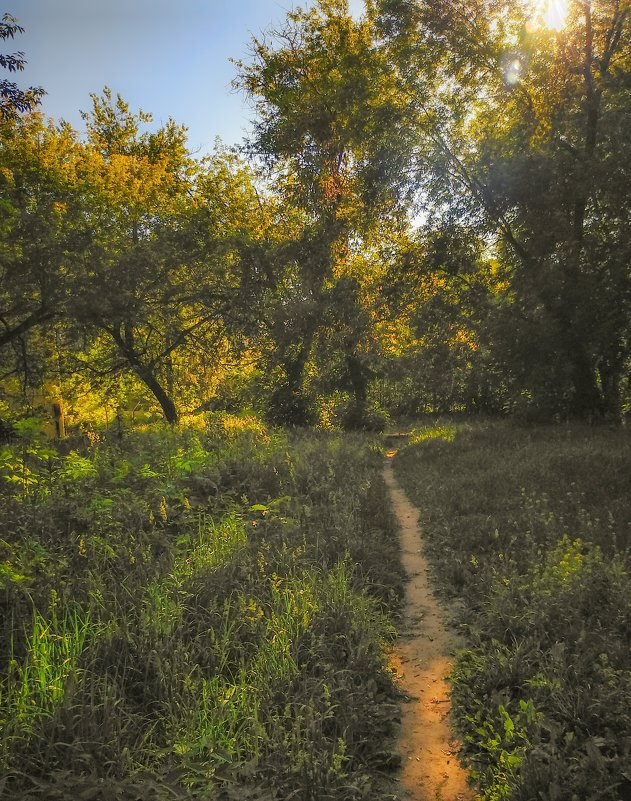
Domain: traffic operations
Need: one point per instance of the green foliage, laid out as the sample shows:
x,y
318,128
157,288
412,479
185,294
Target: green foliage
x,y
447,433
518,146
201,574
126,255
27,464
434,219
530,527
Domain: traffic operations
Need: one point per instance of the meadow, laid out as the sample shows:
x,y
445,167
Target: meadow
x,y
529,534
201,613
206,612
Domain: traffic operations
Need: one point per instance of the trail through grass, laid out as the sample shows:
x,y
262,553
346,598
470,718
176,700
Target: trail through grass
x,y
530,528
430,768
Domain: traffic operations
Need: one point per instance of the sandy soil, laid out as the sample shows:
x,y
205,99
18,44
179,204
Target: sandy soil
x,y
429,768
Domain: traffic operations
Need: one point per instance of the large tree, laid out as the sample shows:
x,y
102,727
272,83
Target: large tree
x,y
167,268
524,127
329,128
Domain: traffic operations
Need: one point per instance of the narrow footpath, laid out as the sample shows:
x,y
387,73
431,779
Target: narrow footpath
x,y
429,766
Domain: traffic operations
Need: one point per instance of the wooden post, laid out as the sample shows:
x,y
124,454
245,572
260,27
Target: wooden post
x,y
58,418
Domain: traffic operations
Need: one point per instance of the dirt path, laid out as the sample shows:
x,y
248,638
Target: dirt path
x,y
429,769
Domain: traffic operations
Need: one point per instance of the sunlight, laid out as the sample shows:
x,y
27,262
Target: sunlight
x,y
553,13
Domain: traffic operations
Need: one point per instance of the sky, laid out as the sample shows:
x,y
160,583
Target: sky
x,y
168,57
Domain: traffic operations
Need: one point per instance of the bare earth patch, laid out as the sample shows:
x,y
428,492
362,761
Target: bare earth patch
x,y
429,769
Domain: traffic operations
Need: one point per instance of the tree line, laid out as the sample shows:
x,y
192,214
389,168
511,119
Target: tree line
x,y
431,213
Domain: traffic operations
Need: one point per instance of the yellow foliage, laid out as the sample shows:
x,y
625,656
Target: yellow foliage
x,y
463,337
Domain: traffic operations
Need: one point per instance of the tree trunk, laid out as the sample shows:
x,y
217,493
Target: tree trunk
x,y
288,401
610,373
145,373
359,378
166,402
586,401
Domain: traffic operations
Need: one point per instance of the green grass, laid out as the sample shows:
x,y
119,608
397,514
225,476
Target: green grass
x,y
35,687
531,529
197,614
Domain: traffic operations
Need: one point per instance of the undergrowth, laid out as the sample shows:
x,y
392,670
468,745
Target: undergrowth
x,y
195,614
531,528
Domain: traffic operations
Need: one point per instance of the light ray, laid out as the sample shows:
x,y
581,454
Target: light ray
x,y
553,13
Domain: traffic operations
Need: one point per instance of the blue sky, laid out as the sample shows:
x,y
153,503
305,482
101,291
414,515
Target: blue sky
x,y
169,57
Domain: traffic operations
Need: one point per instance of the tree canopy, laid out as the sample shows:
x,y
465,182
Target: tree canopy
x,y
431,213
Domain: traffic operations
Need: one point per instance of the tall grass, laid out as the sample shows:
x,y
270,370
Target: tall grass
x,y
531,529
36,686
221,604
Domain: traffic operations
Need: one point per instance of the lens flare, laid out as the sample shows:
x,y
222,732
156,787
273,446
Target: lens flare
x,y
512,71
514,66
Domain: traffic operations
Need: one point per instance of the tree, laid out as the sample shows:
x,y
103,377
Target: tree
x,y
436,293
164,271
526,145
329,124
43,232
13,100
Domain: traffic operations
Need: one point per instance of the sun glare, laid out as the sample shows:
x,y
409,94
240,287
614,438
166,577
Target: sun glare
x,y
553,13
